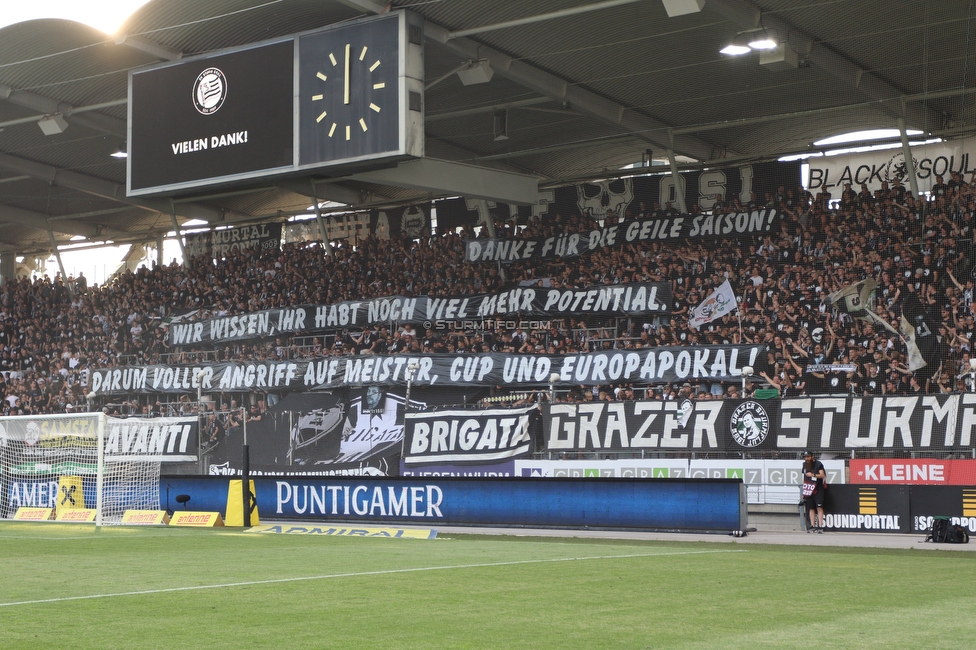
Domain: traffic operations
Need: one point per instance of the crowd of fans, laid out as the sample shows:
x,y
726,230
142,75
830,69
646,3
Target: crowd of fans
x,y
53,333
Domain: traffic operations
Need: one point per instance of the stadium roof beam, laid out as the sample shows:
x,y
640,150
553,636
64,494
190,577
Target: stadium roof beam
x,y
747,15
448,178
99,187
548,84
48,106
151,48
31,219
528,20
331,191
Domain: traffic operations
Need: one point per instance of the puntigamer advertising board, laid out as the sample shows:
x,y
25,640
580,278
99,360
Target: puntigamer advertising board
x,y
348,93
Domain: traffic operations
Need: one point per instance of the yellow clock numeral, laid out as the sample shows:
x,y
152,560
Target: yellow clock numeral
x,y
374,66
322,76
348,134
362,55
375,108
362,123
333,59
378,86
332,130
319,118
317,98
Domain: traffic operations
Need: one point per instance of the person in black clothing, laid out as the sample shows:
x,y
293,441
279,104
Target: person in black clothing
x,y
814,491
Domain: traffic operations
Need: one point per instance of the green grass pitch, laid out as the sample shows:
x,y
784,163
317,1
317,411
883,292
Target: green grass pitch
x,y
70,586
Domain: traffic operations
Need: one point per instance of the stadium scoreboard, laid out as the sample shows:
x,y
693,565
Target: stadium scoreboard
x,y
346,97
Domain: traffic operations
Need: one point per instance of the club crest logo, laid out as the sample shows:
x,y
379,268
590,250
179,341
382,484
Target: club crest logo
x,y
749,424
209,91
33,434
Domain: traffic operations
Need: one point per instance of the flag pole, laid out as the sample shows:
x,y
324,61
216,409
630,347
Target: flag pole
x,y
738,314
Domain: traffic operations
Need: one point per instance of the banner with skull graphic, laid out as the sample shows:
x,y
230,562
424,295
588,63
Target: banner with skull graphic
x,y
600,199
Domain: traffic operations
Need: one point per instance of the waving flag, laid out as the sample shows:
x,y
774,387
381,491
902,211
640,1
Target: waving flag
x,y
719,303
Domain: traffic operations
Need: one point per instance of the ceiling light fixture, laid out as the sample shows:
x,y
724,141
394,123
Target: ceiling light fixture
x,y
763,42
120,152
52,124
733,49
478,72
682,7
751,40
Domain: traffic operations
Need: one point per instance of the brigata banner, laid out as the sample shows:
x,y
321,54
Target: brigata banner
x,y
931,423
460,437
913,471
659,229
634,299
650,366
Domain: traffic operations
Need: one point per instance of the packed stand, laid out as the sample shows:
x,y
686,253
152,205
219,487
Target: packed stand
x,y
51,338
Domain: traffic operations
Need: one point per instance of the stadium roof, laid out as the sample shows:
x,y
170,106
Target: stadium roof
x,y
589,86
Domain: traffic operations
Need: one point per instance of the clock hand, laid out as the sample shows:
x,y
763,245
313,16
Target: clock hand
x,y
345,89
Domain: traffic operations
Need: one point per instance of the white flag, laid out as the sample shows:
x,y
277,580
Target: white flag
x,y
719,303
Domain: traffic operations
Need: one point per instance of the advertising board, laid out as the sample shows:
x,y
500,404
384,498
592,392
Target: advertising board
x,y
667,504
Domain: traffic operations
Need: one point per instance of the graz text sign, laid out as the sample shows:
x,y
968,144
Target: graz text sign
x,y
931,423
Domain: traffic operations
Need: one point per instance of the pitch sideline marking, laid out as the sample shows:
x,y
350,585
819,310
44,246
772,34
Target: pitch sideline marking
x,y
357,575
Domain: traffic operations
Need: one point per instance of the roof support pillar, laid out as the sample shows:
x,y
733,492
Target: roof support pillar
x,y
907,150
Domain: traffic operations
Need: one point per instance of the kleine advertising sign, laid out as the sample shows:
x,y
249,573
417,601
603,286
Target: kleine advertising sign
x,y
907,471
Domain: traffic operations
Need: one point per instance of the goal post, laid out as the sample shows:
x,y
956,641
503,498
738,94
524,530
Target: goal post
x,y
80,461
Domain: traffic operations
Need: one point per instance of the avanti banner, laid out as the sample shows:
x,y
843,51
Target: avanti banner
x,y
635,299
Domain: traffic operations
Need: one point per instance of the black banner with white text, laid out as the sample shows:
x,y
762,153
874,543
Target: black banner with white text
x,y
461,437
662,365
940,423
659,229
635,299
220,243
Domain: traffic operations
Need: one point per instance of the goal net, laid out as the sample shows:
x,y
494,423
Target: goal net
x,y
76,461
